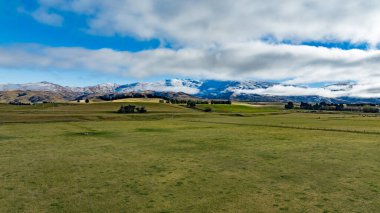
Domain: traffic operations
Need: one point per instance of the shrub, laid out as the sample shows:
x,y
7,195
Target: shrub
x,y
207,109
141,110
220,102
289,105
368,109
127,109
191,104
131,109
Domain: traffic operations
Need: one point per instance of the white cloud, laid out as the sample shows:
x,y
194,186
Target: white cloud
x,y
252,60
359,90
282,90
44,16
206,22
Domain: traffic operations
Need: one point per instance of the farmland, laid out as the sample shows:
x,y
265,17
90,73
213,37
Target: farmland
x,y
237,158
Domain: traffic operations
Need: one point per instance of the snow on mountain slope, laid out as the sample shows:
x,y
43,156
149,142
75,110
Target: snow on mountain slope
x,y
46,86
249,86
40,86
173,85
212,89
207,88
101,88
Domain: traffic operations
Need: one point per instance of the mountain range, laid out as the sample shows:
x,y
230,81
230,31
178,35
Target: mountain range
x,y
257,91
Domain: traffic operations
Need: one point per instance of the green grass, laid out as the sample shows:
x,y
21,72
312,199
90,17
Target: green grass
x,y
102,107
186,161
84,112
230,108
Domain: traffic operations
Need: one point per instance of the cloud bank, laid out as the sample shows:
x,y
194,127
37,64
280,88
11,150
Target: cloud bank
x,y
358,90
206,22
239,61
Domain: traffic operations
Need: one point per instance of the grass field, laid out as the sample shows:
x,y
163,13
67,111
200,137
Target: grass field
x,y
238,108
86,158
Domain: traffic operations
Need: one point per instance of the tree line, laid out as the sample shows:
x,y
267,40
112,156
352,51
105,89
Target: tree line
x,y
197,101
18,103
131,109
220,102
184,101
111,97
367,108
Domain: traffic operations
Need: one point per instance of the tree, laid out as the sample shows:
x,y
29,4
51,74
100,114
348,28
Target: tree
x,y
131,109
141,110
339,107
191,104
127,109
290,105
306,106
370,109
87,101
221,102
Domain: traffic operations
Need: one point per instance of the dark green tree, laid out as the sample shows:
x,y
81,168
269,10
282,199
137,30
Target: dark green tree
x,y
289,105
191,104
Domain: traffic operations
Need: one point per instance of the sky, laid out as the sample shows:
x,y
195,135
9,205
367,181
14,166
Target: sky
x,y
86,42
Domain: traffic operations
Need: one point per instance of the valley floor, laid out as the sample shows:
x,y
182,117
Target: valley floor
x,y
87,158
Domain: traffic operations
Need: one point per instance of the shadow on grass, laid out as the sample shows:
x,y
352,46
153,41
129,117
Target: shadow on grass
x,y
92,133
4,138
163,130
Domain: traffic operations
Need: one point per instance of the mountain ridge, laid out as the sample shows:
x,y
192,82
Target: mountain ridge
x,y
206,89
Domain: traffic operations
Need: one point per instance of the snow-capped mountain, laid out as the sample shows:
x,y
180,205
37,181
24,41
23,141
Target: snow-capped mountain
x,y
172,85
213,89
101,88
47,86
203,89
40,86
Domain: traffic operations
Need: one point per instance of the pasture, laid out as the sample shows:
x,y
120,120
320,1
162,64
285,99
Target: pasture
x,y
238,158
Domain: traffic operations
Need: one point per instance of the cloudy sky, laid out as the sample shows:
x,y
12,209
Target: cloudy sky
x,y
83,42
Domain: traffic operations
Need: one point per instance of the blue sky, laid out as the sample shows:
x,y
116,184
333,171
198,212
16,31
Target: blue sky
x,y
21,28
85,42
